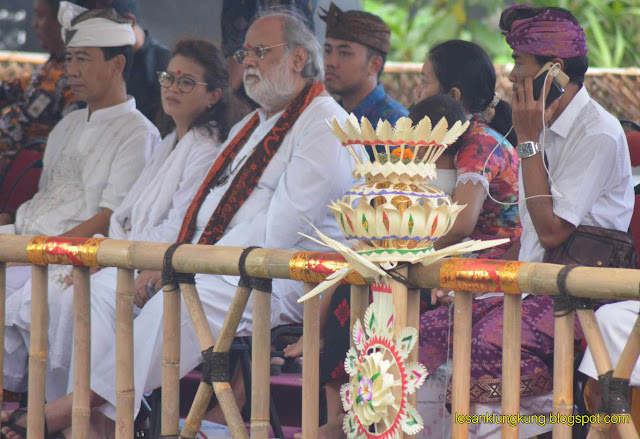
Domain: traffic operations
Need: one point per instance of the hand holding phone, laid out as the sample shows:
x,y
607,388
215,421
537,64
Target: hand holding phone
x,y
558,79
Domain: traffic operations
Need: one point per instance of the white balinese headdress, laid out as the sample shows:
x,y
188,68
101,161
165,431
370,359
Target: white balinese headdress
x,y
83,27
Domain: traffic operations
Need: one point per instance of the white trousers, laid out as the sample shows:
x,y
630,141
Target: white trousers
x,y
216,295
18,324
616,322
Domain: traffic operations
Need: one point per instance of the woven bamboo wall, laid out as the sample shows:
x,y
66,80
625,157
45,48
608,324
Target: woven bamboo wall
x,y
617,90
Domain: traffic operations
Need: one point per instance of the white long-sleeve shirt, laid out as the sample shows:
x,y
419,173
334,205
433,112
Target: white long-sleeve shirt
x,y
90,163
158,201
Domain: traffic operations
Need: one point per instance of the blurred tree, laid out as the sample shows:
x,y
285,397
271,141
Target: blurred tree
x,y
416,25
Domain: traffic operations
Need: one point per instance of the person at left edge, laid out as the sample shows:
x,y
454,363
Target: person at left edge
x,y
93,155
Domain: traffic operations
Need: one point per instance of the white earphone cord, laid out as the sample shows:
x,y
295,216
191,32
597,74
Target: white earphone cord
x,y
544,162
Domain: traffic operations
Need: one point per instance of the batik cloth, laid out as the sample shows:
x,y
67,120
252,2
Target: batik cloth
x,y
499,176
552,33
357,26
30,106
436,340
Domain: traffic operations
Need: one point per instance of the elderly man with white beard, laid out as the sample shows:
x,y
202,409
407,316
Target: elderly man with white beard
x,y
279,168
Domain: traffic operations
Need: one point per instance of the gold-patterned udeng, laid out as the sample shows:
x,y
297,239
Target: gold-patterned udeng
x,y
314,267
44,250
482,275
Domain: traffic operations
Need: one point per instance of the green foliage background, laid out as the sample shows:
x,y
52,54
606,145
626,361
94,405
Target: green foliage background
x,y
612,27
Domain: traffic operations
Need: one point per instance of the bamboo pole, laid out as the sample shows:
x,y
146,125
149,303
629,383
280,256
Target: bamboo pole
x,y
310,366
630,353
624,368
223,391
603,364
413,320
564,331
260,359
359,302
399,293
460,399
601,360
125,388
38,352
82,353
170,360
3,295
511,343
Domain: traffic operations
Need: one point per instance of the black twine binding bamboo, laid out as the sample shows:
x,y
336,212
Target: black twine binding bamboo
x,y
255,283
393,274
169,275
564,303
616,395
215,367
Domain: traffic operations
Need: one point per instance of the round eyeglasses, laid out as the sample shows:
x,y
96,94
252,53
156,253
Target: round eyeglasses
x,y
185,84
258,51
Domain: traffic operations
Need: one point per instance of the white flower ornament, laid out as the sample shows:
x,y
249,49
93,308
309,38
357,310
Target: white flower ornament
x,y
375,398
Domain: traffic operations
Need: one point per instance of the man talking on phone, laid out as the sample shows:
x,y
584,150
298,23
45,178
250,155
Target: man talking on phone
x,y
575,170
589,172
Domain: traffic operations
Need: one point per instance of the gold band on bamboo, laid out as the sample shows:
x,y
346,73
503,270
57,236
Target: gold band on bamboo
x,y
44,250
314,267
481,275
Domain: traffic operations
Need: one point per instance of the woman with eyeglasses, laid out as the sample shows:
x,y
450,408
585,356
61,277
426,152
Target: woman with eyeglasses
x,y
195,97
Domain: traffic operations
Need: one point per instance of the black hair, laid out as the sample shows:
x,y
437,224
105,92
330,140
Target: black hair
x,y
575,67
467,66
435,108
371,52
223,114
126,51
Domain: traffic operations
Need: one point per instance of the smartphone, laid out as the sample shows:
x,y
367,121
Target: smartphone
x,y
558,81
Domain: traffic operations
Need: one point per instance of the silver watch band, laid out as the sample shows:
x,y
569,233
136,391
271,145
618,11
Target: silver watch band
x,y
527,149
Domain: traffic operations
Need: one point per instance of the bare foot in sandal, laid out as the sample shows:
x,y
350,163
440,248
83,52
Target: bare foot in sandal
x,y
14,424
295,350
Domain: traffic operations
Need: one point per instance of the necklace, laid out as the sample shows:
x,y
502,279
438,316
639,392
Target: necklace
x,y
224,177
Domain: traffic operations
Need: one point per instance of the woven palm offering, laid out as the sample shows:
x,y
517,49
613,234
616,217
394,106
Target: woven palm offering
x,y
395,215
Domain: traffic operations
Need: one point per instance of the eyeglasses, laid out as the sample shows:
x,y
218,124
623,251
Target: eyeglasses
x,y
258,51
185,84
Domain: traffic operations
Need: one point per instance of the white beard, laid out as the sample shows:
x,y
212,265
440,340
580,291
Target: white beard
x,y
270,93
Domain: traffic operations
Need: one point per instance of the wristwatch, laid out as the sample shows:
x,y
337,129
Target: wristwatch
x,y
527,149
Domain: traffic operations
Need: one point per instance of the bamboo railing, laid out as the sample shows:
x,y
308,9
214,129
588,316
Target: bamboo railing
x,y
465,276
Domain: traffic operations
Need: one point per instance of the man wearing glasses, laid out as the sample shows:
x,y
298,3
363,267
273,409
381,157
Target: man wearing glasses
x,y
279,169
